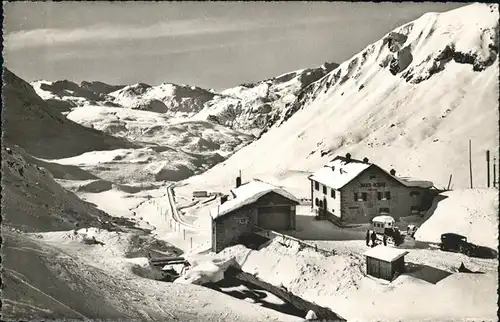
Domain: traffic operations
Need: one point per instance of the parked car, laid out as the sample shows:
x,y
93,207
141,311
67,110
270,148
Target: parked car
x,y
456,243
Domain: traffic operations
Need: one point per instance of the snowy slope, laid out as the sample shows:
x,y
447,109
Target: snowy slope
x,y
257,106
419,125
340,282
471,213
172,150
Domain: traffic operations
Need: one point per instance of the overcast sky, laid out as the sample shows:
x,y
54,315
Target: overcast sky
x,y
212,45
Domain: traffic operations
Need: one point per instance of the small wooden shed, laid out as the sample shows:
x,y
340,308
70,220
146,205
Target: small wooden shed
x,y
385,262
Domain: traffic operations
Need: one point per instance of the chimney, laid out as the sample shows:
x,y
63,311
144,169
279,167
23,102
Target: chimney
x,y
238,182
365,160
393,172
333,168
348,157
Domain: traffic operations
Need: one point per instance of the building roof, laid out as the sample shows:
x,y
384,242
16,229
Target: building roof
x,y
385,253
411,182
249,193
339,172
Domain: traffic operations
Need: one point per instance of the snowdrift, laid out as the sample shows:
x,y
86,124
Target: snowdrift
x,y
205,269
471,212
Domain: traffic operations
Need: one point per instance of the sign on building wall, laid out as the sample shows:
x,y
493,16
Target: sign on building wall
x,y
375,185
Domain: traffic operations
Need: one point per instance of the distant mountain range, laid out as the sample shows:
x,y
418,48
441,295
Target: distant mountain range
x,y
253,107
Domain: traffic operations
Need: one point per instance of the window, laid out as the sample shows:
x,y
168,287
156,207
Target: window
x,y
324,190
332,193
379,195
373,177
316,202
415,210
414,193
316,185
363,196
387,195
321,203
384,210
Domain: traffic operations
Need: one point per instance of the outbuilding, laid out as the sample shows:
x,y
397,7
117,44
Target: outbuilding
x,y
255,203
385,262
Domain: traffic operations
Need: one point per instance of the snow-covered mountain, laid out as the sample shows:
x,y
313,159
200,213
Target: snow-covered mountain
x,y
40,128
255,107
252,108
170,99
66,95
410,101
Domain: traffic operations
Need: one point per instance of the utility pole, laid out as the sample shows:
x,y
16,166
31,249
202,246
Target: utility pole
x,y
488,167
470,163
495,172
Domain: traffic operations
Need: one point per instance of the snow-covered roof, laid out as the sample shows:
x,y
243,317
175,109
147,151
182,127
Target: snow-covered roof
x,y
411,182
385,253
383,219
338,172
249,193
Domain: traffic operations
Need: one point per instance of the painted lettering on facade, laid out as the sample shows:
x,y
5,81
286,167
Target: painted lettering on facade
x,y
369,185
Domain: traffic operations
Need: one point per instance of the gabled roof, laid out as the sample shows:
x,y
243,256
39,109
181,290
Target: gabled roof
x,y
249,193
385,253
339,172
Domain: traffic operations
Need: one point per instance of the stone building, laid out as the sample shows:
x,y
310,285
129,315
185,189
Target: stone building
x,y
347,190
256,203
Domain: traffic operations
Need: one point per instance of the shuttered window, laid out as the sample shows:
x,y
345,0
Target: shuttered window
x,y
388,195
316,185
332,193
379,195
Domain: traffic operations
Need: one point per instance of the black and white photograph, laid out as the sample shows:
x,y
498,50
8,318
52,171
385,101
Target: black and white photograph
x,y
250,161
